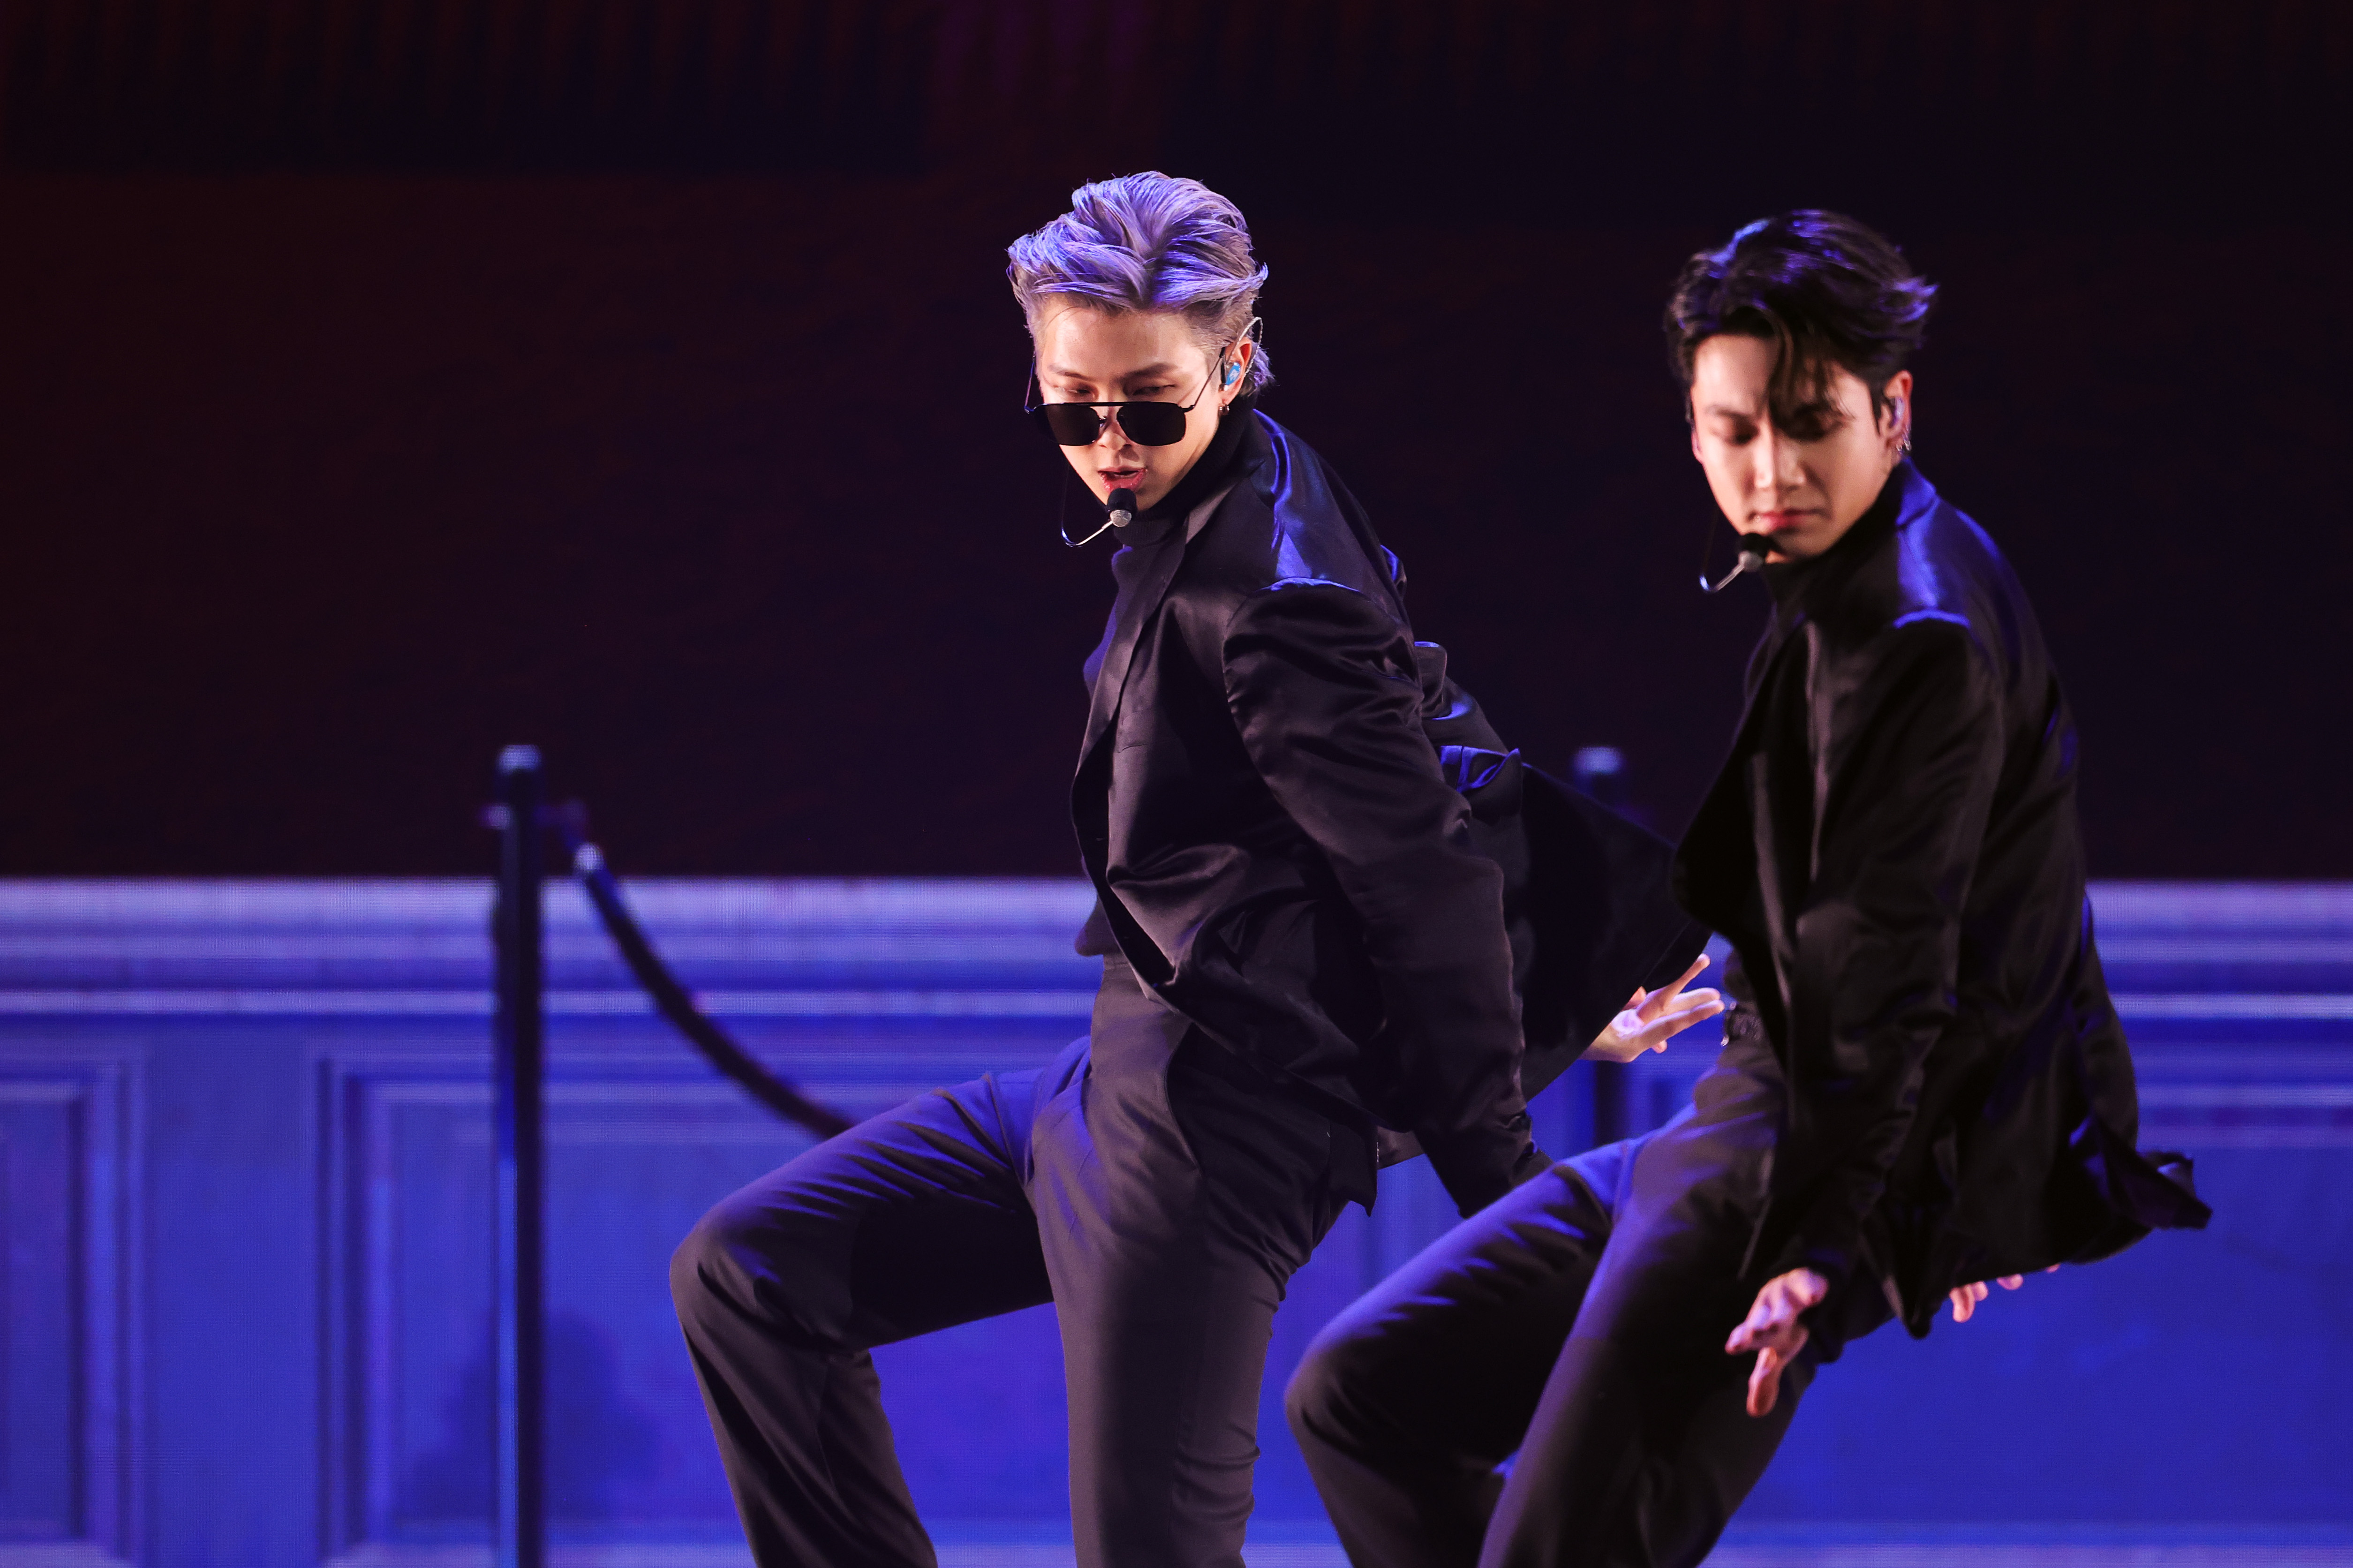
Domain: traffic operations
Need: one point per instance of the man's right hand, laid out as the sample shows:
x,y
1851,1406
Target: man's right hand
x,y
1773,1330
1651,1018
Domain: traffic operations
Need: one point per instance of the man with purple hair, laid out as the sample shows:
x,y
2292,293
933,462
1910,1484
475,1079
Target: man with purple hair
x,y
1305,955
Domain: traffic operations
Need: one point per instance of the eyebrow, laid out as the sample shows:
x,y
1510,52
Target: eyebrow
x,y
1162,368
1734,413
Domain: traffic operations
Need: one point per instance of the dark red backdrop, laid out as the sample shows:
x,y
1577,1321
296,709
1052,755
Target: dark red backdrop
x,y
330,466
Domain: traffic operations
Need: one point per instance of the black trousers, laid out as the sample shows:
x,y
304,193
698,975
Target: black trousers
x,y
1145,1183
1578,1323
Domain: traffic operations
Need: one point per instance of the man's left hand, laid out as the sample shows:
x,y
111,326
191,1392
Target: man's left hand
x,y
1965,1297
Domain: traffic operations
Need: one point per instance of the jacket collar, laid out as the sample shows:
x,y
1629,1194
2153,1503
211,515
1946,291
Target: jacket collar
x,y
1798,588
1214,469
1803,589
1798,585
1162,551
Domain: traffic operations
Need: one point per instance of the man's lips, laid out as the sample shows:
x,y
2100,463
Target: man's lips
x,y
1783,520
1119,478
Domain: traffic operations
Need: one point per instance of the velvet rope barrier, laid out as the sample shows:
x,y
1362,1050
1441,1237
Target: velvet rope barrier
x,y
674,1001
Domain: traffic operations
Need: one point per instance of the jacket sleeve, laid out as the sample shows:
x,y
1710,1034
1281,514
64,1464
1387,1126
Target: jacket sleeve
x,y
1907,750
1322,684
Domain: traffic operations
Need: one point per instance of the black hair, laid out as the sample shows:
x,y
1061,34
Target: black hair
x,y
1827,291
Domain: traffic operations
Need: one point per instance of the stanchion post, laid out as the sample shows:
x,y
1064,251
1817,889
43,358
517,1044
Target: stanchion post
x,y
520,1171
1600,772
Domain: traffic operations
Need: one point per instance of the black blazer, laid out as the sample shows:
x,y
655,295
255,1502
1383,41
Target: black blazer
x,y
1892,849
1273,845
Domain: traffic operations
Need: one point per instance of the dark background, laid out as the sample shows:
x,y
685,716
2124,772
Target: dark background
x,y
384,383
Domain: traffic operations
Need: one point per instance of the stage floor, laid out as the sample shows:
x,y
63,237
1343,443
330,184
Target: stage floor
x,y
1928,1546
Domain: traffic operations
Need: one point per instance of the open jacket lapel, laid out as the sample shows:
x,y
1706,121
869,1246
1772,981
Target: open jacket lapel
x,y
1728,810
1110,678
1732,837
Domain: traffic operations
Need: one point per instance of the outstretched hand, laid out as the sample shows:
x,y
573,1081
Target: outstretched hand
x,y
1651,1018
1773,1332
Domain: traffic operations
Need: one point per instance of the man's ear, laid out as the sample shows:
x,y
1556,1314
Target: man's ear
x,y
1233,372
1895,402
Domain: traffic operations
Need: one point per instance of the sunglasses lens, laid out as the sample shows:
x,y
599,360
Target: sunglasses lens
x,y
1152,423
1079,423
1069,423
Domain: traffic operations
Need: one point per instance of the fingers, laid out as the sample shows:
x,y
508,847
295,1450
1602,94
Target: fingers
x,y
1764,1378
1766,1323
1648,1028
1764,1383
1773,1318
1965,1297
1654,1030
1659,999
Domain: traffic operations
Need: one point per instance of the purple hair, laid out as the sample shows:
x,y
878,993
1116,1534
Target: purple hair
x,y
1148,242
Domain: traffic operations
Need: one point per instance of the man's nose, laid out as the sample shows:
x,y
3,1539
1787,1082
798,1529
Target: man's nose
x,y
1775,459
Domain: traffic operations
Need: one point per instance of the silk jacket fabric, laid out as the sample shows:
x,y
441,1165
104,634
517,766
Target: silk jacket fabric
x,y
1273,845
1893,851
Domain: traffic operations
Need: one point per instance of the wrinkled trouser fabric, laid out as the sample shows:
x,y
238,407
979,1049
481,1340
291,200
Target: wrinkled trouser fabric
x,y
1156,1194
1578,1323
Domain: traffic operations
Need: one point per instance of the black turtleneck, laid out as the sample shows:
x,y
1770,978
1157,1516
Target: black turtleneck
x,y
1209,470
1793,583
1797,586
1140,541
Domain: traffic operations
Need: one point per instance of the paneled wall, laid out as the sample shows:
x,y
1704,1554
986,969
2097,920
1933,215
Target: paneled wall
x,y
244,1234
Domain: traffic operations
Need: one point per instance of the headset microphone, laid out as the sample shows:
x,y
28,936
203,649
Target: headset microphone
x,y
1119,510
1751,559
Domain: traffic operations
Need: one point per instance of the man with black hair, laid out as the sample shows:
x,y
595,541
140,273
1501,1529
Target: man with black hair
x,y
1924,1085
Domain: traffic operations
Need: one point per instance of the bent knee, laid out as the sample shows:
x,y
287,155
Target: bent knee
x,y
1331,1377
739,1263
699,1263
730,1255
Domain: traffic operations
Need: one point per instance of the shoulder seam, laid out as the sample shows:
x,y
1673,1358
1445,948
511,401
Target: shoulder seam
x,y
1911,617
1277,586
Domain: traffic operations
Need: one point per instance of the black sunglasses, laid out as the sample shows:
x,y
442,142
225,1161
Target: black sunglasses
x,y
1146,423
